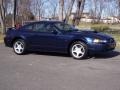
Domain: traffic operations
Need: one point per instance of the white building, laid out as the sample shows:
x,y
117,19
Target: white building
x,y
111,19
88,19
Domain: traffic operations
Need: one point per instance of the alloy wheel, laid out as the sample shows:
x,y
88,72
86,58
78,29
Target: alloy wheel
x,y
18,47
78,50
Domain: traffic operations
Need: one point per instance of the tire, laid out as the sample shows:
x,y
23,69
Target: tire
x,y
19,47
78,50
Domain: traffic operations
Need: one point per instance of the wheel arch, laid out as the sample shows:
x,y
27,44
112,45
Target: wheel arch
x,y
73,41
16,38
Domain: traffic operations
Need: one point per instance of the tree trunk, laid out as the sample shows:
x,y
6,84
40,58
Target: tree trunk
x,y
61,10
119,9
79,11
2,16
3,27
69,11
14,13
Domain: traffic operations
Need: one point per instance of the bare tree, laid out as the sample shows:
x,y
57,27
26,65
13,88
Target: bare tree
x,y
38,8
24,9
79,11
118,4
61,10
97,10
14,12
69,10
53,8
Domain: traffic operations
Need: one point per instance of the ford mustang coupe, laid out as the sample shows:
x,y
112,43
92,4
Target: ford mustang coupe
x,y
56,36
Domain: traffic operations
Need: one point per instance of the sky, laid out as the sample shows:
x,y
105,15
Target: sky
x,y
109,7
49,6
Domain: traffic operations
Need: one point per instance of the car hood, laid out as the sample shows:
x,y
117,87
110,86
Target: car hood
x,y
90,34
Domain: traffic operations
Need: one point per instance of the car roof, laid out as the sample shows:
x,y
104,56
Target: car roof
x,y
47,22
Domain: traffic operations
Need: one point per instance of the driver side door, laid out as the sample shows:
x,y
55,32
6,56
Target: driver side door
x,y
47,38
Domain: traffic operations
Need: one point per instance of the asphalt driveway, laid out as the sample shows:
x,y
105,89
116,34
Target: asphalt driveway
x,y
45,71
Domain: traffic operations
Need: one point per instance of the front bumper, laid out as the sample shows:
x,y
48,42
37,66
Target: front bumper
x,y
101,48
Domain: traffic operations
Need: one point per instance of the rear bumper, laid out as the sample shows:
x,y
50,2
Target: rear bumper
x,y
7,42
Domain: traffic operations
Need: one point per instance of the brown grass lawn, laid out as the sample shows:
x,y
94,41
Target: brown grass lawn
x,y
1,38
117,38
89,25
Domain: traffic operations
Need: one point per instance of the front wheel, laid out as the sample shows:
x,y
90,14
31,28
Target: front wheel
x,y
19,47
78,50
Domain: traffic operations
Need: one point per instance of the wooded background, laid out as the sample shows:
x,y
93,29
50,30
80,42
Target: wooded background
x,y
17,11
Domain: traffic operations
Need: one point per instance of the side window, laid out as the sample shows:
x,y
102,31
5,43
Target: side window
x,y
42,27
28,27
39,27
50,28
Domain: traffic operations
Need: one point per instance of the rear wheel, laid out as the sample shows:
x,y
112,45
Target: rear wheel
x,y
19,47
78,50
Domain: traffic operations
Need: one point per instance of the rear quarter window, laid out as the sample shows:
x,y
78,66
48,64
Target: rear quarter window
x,y
28,27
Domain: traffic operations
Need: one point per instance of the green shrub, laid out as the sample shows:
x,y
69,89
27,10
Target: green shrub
x,y
101,28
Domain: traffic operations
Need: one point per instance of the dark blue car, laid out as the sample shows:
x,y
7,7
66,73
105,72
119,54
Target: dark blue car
x,y
55,36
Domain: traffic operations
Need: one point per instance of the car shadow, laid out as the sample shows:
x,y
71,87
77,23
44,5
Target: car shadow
x,y
50,54
106,55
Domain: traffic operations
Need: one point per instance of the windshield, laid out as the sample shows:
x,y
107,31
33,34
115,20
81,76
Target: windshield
x,y
64,27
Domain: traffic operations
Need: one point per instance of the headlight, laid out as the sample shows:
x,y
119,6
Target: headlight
x,y
96,41
89,40
99,41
